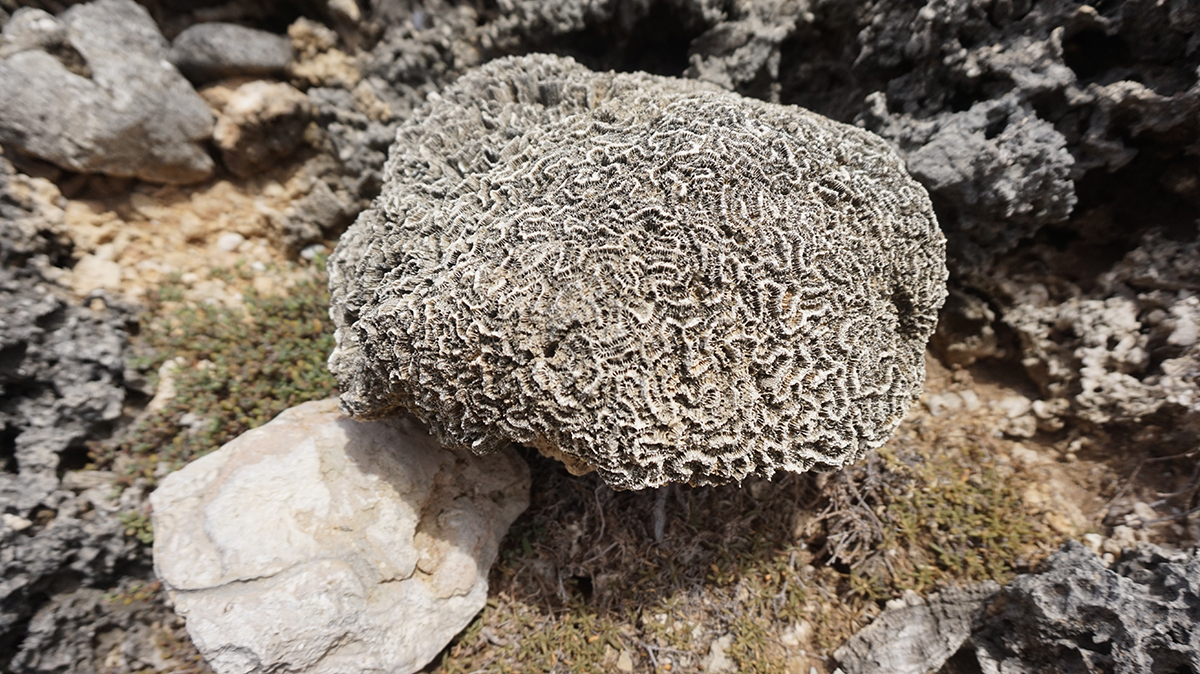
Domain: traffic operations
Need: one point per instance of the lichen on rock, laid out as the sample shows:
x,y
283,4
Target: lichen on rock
x,y
647,276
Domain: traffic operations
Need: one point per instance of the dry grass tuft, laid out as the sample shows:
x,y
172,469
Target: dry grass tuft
x,y
786,569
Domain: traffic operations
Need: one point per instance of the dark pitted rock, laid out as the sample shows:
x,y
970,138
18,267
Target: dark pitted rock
x,y
213,51
86,630
1077,615
61,376
1074,615
1128,351
647,276
92,92
1047,78
1006,172
61,364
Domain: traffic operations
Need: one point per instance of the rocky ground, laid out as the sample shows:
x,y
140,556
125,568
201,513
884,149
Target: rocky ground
x,y
162,246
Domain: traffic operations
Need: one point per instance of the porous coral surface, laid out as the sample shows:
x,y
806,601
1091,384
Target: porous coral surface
x,y
647,276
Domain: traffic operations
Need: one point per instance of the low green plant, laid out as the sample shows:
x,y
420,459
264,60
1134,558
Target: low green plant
x,y
957,517
238,368
139,526
759,564
135,591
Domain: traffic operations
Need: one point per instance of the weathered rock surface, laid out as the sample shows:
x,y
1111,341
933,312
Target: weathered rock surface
x,y
638,311
316,543
69,540
86,630
319,213
1127,351
260,124
61,376
916,635
994,163
92,92
1075,614
213,51
62,364
1100,78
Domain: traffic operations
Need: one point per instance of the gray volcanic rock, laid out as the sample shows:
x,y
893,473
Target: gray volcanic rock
x,y
86,630
1001,172
62,364
1111,83
82,542
61,375
212,51
315,214
642,275
93,92
1076,615
1129,350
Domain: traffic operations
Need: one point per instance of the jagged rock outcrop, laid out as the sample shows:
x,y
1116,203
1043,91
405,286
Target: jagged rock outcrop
x,y
1077,615
61,384
1126,352
90,630
999,172
1074,615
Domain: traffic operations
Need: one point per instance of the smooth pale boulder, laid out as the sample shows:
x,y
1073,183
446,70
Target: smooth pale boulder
x,y
316,543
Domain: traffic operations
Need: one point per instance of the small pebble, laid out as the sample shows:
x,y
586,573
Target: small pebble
x,y
1026,456
312,251
230,241
970,400
1144,512
15,522
1014,406
940,403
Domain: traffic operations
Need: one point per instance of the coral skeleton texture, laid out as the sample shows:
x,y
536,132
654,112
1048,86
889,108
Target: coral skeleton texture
x,y
646,276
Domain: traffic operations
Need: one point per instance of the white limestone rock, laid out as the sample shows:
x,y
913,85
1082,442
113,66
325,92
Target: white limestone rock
x,y
316,543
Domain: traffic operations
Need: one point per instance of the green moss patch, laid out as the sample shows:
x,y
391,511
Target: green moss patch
x,y
236,368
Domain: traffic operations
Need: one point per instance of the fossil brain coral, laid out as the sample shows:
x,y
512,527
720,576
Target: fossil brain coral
x,y
647,276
